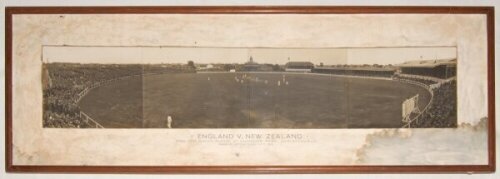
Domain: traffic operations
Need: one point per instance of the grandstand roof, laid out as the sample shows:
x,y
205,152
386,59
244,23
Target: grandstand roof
x,y
299,63
428,63
369,68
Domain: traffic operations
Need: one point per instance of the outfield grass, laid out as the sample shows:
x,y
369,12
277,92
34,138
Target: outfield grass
x,y
218,100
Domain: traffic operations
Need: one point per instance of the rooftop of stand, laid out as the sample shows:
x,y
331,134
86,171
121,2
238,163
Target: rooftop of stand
x,y
428,63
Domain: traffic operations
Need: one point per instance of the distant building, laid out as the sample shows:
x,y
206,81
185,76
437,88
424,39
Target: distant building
x,y
266,67
251,65
299,66
205,67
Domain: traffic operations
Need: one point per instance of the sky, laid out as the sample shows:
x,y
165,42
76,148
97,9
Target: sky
x,y
206,55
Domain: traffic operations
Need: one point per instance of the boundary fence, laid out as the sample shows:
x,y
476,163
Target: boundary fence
x,y
427,87
430,88
89,120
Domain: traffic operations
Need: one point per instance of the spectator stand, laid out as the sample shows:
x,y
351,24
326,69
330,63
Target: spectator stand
x,y
71,82
439,78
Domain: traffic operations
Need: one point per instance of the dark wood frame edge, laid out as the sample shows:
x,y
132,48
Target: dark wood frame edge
x,y
488,11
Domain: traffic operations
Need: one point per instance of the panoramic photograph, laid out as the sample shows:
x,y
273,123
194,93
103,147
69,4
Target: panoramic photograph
x,y
239,87
249,89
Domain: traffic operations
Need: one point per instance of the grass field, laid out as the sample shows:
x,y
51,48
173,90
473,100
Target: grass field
x,y
221,100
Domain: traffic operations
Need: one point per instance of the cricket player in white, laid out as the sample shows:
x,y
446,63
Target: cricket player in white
x,y
169,122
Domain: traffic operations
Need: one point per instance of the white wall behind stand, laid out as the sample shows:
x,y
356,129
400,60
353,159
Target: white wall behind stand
x,y
228,2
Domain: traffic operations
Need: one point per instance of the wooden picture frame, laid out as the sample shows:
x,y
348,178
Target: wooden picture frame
x,y
10,84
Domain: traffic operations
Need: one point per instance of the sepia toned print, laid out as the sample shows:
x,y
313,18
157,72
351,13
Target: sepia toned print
x,y
166,92
251,88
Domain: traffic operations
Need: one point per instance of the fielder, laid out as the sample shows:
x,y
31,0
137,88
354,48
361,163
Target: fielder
x,y
169,122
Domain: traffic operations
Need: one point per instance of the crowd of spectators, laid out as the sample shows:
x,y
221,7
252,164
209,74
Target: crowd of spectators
x,y
68,81
442,111
419,80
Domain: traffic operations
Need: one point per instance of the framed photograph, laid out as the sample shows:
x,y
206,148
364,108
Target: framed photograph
x,y
250,89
